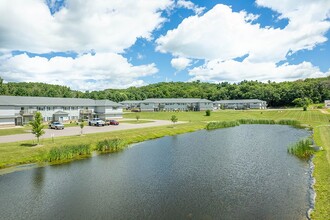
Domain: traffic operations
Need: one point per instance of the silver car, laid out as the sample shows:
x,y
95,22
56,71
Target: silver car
x,y
56,125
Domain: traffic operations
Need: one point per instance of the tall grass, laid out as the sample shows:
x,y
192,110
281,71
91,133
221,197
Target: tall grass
x,y
110,145
68,152
302,149
221,124
290,122
256,121
225,124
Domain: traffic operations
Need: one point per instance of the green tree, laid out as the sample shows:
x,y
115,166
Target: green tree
x,y
37,126
174,119
208,112
82,125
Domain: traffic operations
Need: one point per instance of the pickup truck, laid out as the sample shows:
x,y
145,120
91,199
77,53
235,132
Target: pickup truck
x,y
96,122
56,125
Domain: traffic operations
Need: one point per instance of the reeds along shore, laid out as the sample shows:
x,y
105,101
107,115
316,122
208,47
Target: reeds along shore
x,y
302,149
226,124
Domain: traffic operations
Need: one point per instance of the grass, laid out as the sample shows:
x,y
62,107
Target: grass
x,y
302,149
221,124
111,145
12,154
16,130
68,152
322,173
136,122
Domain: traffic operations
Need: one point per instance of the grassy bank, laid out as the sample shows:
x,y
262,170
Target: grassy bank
x,y
322,173
16,153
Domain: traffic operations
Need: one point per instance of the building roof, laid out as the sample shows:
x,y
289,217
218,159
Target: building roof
x,y
51,101
130,102
175,100
61,113
238,101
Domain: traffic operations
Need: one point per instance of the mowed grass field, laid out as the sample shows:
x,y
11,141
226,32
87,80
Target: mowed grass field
x,y
12,154
310,117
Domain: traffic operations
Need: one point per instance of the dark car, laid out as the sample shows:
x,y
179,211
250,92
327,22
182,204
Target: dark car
x,y
111,122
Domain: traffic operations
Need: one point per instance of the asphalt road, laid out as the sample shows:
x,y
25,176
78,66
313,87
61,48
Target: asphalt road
x,y
71,131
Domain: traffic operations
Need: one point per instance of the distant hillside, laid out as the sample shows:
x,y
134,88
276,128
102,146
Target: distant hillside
x,y
276,94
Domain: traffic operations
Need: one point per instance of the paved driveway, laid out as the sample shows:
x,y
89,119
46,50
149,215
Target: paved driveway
x,y
71,131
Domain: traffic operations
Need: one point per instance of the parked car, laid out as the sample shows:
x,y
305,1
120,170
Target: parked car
x,y
96,122
56,125
111,122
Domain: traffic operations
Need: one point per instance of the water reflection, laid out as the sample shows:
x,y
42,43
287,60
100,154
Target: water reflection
x,y
38,177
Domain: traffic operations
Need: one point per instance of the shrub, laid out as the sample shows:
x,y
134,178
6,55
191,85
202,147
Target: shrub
x,y
305,108
208,112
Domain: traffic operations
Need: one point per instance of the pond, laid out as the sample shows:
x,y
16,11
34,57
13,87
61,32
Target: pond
x,y
242,172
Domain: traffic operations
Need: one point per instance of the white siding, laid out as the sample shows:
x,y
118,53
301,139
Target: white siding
x,y
7,121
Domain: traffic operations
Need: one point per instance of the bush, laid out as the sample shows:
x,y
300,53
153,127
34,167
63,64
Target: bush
x,y
305,108
208,112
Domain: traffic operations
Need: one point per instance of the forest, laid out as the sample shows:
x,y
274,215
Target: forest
x,y
312,90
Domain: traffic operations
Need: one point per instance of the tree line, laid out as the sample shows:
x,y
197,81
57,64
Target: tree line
x,y
312,90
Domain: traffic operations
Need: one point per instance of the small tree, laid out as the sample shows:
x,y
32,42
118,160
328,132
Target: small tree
x,y
208,112
174,119
137,117
82,125
37,126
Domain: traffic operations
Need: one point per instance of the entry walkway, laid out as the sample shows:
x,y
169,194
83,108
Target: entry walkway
x,y
72,131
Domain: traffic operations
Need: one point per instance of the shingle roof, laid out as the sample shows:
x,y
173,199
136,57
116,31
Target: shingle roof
x,y
175,100
239,101
50,101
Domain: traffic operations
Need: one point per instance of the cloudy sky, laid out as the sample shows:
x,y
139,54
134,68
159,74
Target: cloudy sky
x,y
99,44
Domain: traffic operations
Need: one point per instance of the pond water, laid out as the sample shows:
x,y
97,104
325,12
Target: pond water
x,y
242,172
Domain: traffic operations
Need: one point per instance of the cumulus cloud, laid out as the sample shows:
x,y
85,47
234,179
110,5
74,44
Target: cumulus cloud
x,y
221,35
190,5
180,63
105,26
231,70
86,72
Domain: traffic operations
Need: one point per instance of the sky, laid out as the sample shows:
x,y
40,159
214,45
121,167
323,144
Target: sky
x,y
101,44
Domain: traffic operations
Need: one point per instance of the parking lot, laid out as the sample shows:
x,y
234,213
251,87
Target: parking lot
x,y
71,131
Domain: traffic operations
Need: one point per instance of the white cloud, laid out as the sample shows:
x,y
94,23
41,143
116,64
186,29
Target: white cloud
x,y
105,26
218,71
190,5
221,35
180,63
86,72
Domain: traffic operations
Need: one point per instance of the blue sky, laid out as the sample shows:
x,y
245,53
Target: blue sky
x,y
94,45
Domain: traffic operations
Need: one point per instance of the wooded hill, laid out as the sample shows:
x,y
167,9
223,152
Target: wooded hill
x,y
315,90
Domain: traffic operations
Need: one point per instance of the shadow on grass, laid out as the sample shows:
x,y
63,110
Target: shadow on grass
x,y
28,145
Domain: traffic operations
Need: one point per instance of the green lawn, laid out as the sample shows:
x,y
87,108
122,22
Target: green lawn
x,y
16,130
311,117
18,153
135,121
